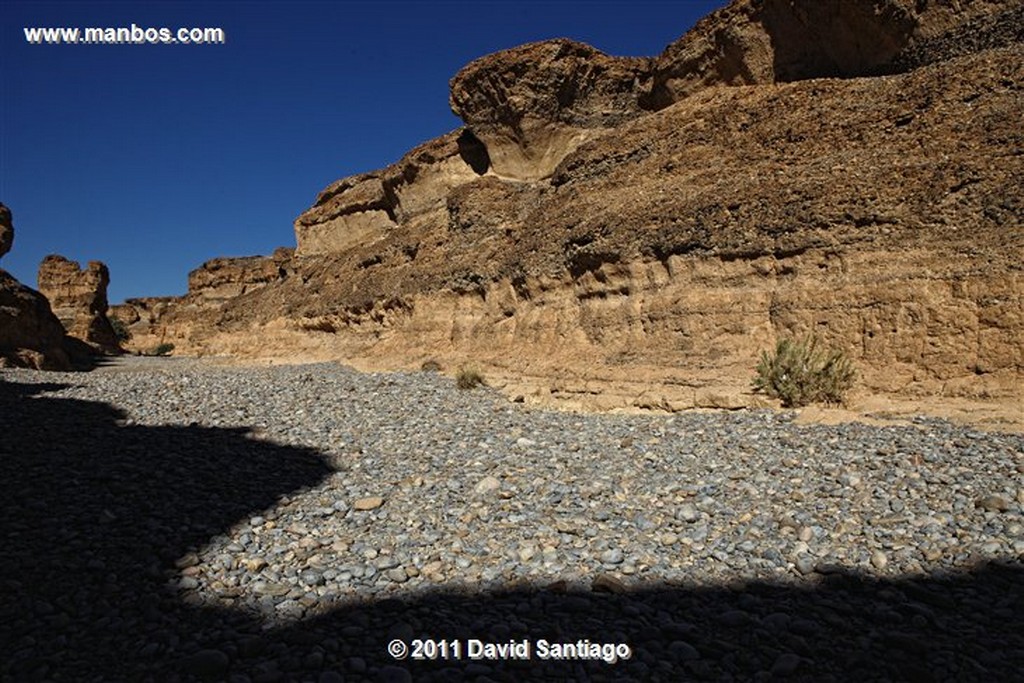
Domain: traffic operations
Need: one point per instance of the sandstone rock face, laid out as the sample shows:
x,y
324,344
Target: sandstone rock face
x,y
6,230
663,252
753,42
152,321
221,279
79,300
146,319
534,104
30,335
363,209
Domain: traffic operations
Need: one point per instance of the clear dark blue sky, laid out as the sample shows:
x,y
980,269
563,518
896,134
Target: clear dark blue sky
x,y
155,158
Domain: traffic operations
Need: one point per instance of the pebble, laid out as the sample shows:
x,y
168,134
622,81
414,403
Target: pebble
x,y
993,504
487,485
878,559
613,556
688,513
786,664
368,503
805,564
608,584
206,663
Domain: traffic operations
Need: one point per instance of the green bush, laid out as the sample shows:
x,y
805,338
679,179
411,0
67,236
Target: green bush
x,y
468,378
120,330
800,373
162,349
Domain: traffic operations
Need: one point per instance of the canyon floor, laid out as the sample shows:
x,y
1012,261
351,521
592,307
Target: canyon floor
x,y
176,519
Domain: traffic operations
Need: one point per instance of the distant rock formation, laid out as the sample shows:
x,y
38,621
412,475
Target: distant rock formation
x,y
221,279
145,321
617,233
30,335
151,321
79,300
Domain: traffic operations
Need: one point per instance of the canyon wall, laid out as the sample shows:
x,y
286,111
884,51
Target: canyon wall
x,y
621,232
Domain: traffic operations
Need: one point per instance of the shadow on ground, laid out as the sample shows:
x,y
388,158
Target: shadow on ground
x,y
94,514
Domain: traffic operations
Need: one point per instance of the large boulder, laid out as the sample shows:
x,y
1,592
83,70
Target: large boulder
x,y
79,300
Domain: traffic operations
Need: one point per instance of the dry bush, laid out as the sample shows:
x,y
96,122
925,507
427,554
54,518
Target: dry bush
x,y
800,373
468,378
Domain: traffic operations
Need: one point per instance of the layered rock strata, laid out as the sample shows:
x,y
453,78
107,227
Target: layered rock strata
x,y
79,300
680,226
365,208
152,321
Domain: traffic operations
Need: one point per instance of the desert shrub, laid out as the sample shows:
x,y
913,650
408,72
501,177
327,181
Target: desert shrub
x,y
800,373
468,378
162,349
430,366
120,330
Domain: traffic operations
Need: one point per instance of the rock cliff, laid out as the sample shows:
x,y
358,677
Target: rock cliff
x,y
78,297
629,232
364,209
30,335
532,105
151,321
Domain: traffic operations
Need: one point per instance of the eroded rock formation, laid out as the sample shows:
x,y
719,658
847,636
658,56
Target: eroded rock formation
x,y
630,233
221,279
364,209
79,300
534,104
30,335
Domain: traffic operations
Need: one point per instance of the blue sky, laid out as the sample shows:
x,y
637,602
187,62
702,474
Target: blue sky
x,y
155,158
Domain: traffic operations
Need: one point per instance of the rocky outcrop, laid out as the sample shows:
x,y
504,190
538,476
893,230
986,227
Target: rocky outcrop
x,y
363,209
534,104
652,262
221,279
30,335
753,42
79,300
152,321
146,321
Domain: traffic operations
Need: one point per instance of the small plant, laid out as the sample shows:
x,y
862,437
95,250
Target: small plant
x,y
120,330
468,378
162,349
799,373
430,366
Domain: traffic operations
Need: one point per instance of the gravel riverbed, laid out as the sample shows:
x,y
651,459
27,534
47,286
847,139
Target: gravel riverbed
x,y
169,519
